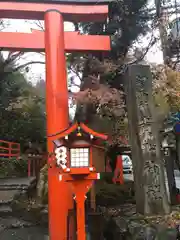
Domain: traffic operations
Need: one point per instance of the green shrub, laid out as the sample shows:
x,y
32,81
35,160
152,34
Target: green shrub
x,y
13,167
114,194
107,177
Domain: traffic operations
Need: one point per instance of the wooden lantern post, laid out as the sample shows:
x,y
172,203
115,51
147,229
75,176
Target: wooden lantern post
x,y
74,155
55,42
118,173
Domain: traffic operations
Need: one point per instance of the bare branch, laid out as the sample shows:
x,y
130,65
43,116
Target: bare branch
x,y
76,26
27,64
73,82
40,25
151,43
12,57
77,73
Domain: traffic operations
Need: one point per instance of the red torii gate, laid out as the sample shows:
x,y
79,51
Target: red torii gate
x,y
55,42
74,42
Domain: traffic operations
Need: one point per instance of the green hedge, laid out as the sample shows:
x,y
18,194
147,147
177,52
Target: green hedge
x,y
114,194
13,167
110,194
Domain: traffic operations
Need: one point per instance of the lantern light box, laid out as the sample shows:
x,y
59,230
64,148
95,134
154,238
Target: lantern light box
x,y
74,149
79,157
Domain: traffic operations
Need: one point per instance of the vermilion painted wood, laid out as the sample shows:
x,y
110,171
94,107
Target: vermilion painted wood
x,y
9,155
85,128
81,178
80,188
60,198
35,11
35,163
29,168
95,134
108,167
60,195
118,173
12,149
30,42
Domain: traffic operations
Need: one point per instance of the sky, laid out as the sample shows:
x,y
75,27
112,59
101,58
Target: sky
x,y
37,71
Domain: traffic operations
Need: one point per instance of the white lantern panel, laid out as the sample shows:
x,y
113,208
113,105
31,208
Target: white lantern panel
x,y
61,155
79,157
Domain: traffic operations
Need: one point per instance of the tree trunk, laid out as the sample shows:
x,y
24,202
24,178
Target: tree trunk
x,y
169,162
162,30
177,159
151,194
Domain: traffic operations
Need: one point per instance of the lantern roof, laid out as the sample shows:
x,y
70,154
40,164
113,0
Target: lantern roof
x,y
79,127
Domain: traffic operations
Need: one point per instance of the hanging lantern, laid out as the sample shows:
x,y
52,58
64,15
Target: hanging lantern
x,y
74,149
74,155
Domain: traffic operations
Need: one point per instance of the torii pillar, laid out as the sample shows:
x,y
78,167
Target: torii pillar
x,y
60,201
60,196
55,42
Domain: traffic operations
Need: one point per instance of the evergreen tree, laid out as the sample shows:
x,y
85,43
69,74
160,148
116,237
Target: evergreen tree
x,y
22,116
127,20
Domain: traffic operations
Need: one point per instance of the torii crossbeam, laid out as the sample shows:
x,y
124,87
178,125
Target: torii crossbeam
x,y
35,42
55,42
72,11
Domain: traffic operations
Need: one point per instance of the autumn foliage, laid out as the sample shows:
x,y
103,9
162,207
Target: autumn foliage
x,y
109,101
166,84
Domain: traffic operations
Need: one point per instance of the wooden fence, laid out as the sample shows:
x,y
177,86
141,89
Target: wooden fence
x,y
35,163
13,149
9,149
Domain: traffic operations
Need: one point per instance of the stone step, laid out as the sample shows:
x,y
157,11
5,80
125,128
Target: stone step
x,y
5,210
17,183
13,222
13,187
9,189
6,197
